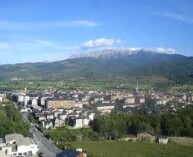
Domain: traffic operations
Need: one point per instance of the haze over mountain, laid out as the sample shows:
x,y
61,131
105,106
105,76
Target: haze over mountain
x,y
106,64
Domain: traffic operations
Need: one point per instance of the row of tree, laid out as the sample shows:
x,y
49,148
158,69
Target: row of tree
x,y
169,124
11,121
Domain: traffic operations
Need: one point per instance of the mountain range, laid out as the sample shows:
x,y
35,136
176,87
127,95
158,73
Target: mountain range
x,y
106,64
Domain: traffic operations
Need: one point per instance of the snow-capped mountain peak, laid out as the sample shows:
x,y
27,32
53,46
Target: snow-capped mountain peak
x,y
113,53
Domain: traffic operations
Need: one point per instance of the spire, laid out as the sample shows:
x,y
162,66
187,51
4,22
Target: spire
x,y
137,88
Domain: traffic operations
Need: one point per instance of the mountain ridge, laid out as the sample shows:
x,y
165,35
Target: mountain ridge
x,y
107,64
108,53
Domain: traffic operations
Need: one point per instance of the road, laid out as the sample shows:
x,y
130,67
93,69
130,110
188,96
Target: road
x,y
45,145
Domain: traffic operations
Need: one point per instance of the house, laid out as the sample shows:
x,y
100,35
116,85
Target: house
x,y
50,116
2,96
129,138
62,116
43,101
18,145
141,100
76,122
146,135
71,153
130,100
56,113
91,115
162,139
105,108
130,105
34,102
26,100
1,99
46,111
59,103
48,124
21,97
78,105
41,117
69,111
85,121
23,109
36,108
58,122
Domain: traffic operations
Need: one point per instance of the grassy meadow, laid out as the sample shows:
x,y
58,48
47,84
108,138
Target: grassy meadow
x,y
133,149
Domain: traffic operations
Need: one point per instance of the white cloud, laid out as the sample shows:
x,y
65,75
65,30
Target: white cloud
x,y
76,23
176,16
21,25
99,43
166,50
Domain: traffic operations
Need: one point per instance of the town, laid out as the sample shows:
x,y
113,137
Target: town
x,y
75,109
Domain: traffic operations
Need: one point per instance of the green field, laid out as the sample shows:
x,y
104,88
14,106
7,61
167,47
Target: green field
x,y
96,84
73,84
133,149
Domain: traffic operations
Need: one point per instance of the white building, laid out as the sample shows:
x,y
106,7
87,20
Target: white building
x,y
142,100
50,116
85,121
1,99
21,97
79,105
59,122
91,115
34,102
37,108
47,124
105,107
162,140
17,145
78,123
75,122
26,100
2,96
62,116
41,117
43,101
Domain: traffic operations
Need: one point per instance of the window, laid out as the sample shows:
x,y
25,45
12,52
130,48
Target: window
x,y
30,153
20,153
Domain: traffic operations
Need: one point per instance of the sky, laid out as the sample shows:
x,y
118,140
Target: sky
x,y
50,30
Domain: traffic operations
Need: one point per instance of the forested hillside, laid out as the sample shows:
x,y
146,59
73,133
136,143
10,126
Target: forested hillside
x,y
12,121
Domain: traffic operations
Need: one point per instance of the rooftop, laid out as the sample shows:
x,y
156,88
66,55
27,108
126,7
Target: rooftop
x,y
68,153
20,139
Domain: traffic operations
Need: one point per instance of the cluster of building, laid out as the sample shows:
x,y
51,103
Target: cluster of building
x,y
77,108
55,109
